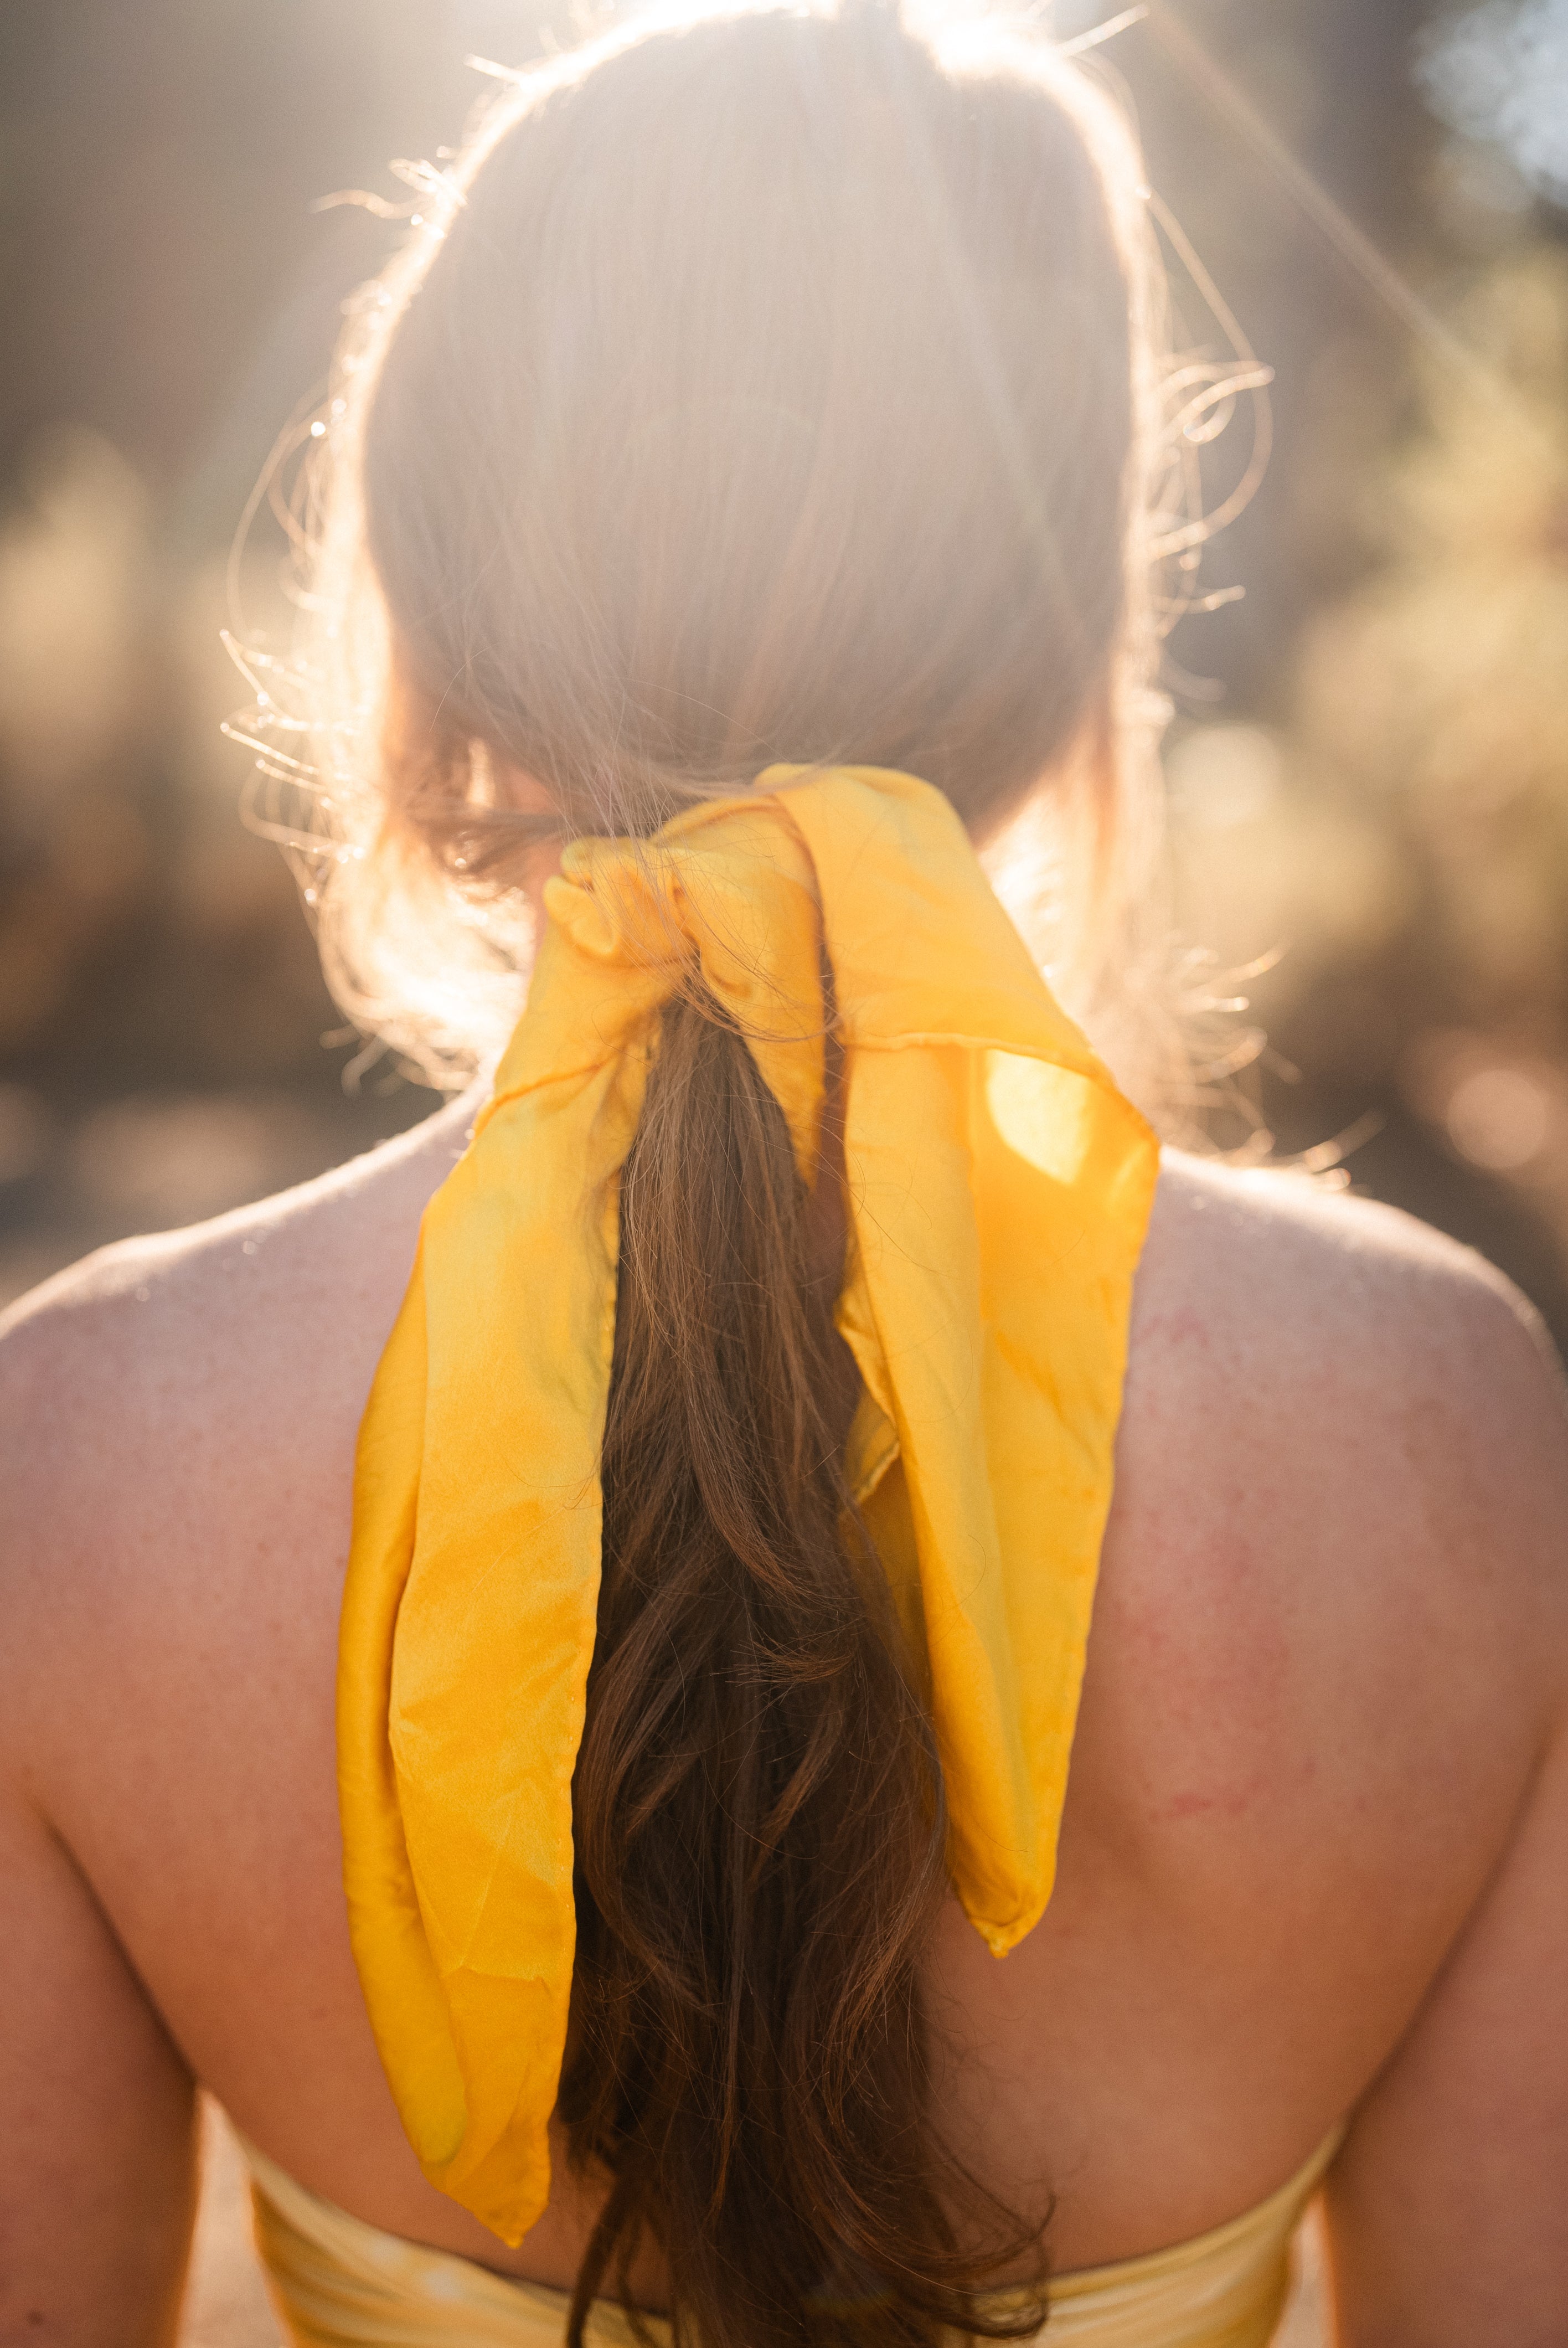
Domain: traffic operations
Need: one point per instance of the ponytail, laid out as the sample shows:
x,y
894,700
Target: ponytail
x,y
758,1808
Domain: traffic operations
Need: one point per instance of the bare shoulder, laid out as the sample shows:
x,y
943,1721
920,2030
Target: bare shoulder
x,y
1320,1252
261,1298
168,1386
1343,1312
1343,1428
333,1228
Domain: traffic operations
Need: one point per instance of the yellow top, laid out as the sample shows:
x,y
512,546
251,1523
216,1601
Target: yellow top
x,y
998,1188
340,2283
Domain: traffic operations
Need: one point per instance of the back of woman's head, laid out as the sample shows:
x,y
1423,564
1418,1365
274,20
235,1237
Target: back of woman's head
x,y
770,389
772,398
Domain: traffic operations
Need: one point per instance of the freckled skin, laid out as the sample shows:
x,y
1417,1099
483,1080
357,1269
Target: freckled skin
x,y
1315,1858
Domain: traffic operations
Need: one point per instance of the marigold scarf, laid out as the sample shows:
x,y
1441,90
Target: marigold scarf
x,y
998,1186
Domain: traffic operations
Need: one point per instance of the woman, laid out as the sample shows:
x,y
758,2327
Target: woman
x,y
775,388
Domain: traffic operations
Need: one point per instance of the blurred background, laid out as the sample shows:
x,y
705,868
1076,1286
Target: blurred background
x,y
1369,765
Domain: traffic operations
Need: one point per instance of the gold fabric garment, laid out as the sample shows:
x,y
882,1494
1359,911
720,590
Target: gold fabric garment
x,y
998,1187
339,2284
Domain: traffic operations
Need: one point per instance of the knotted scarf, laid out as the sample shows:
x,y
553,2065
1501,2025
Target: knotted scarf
x,y
998,1187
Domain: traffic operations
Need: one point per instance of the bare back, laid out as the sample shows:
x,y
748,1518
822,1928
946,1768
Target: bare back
x,y
1315,1859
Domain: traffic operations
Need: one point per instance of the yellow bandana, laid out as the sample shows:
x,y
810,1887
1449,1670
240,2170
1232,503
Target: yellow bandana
x,y
999,1186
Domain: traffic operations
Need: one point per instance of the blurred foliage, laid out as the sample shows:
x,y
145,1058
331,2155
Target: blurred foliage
x,y
1369,767
1399,838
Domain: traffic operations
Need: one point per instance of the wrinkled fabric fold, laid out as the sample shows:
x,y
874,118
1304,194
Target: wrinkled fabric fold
x,y
998,1189
339,2284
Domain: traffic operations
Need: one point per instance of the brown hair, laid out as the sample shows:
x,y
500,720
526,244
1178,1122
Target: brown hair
x,y
758,1803
762,386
